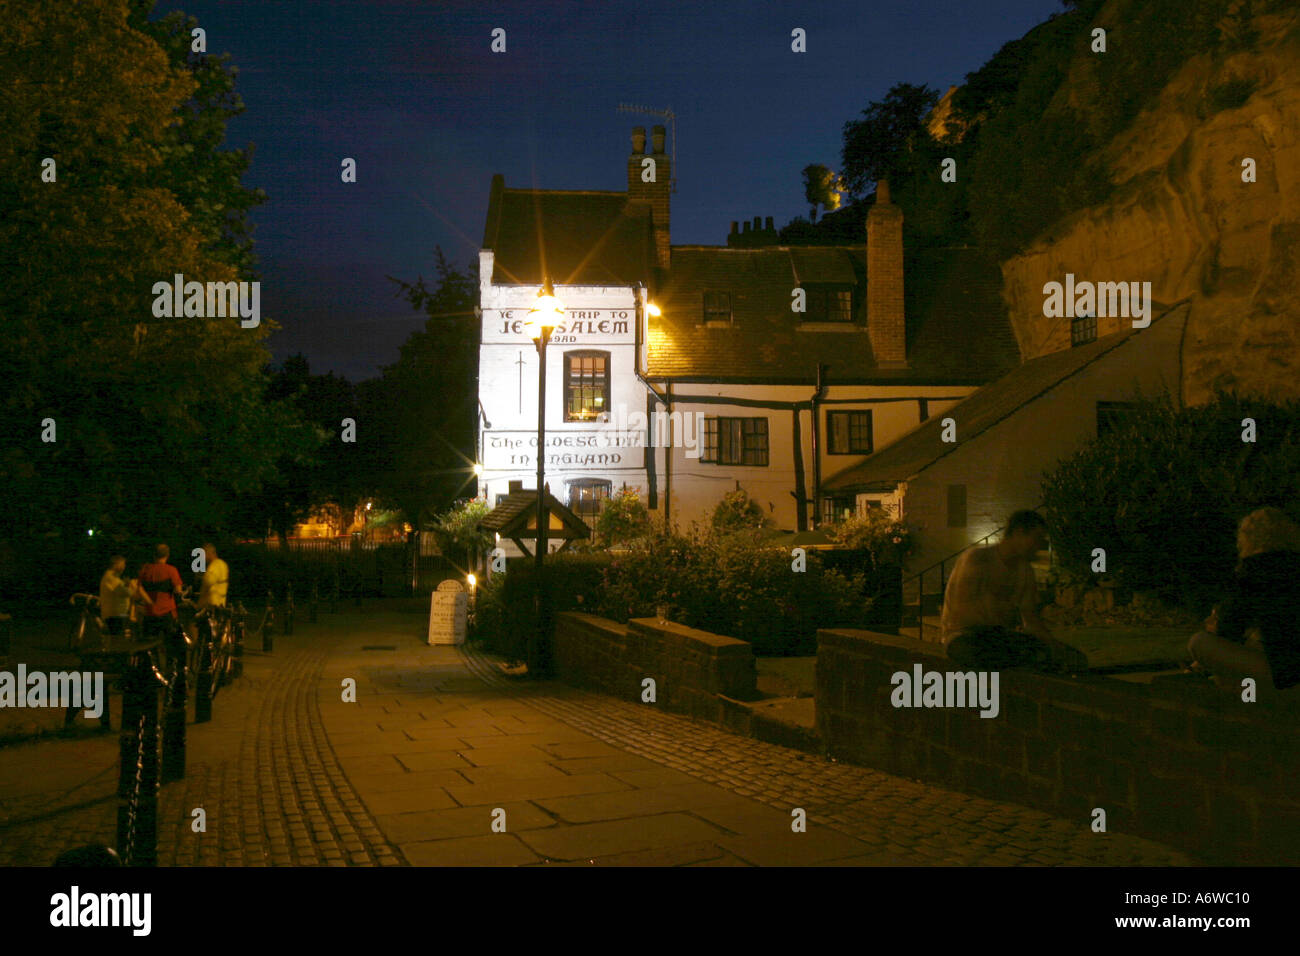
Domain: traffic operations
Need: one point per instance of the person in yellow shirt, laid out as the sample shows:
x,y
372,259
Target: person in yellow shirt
x,y
216,579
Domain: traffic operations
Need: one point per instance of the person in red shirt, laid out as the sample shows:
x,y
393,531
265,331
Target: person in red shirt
x,y
162,582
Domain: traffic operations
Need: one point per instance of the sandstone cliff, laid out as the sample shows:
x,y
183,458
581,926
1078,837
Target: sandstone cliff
x,y
1183,219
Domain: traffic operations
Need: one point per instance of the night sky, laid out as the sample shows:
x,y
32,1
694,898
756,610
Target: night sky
x,y
414,94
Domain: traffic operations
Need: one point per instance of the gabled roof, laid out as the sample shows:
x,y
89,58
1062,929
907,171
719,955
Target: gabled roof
x,y
515,516
983,409
957,325
587,237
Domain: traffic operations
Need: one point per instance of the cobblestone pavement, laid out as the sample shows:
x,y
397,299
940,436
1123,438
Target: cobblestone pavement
x,y
437,747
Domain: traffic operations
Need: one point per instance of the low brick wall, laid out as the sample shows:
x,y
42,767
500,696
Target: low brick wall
x,y
1177,761
693,670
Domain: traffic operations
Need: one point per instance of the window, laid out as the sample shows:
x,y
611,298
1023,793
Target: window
x,y
717,308
829,304
586,385
849,433
1083,330
956,506
1112,415
837,509
587,496
735,441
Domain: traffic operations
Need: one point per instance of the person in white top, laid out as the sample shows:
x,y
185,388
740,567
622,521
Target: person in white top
x,y
116,594
216,579
990,607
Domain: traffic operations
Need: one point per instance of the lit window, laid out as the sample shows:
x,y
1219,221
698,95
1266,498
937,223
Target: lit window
x,y
586,385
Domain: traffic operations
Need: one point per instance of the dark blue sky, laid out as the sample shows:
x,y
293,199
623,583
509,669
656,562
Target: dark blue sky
x,y
413,93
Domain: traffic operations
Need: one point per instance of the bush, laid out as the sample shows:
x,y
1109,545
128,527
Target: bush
x,y
624,518
1162,494
889,542
458,533
737,512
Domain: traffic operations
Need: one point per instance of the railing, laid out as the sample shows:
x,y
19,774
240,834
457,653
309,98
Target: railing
x,y
942,567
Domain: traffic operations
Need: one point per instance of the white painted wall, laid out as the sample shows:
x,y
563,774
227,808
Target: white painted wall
x,y
1003,466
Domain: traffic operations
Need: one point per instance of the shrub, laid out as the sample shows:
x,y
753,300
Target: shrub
x,y
458,533
624,518
889,542
1163,492
736,512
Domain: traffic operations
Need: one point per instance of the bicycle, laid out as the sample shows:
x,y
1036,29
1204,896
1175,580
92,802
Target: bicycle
x,y
87,612
211,654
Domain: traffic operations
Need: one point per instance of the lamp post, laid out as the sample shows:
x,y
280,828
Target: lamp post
x,y
542,320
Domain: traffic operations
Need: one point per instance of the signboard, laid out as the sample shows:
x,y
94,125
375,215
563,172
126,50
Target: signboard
x,y
607,326
447,613
595,448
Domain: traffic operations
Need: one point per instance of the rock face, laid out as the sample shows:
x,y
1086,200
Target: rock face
x,y
1183,219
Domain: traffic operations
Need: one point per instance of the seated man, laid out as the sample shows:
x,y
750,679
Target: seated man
x,y
1263,596
990,606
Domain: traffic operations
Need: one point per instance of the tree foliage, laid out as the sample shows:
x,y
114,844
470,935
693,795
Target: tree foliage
x,y
1162,493
161,422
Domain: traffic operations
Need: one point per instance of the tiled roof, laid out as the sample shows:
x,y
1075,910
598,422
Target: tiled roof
x,y
983,409
957,325
516,511
587,237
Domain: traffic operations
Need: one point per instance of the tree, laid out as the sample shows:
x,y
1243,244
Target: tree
x,y
820,188
876,146
422,418
165,416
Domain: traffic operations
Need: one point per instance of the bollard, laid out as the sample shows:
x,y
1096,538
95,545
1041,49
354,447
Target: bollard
x,y
237,645
289,609
173,747
268,624
137,784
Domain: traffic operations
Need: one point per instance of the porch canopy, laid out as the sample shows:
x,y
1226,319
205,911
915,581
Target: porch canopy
x,y
515,517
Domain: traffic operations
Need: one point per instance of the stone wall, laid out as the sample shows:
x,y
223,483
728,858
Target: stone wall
x,y
1177,761
693,670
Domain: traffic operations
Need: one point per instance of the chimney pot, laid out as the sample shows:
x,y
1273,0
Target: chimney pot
x,y
747,225
769,225
735,227
657,139
758,223
638,140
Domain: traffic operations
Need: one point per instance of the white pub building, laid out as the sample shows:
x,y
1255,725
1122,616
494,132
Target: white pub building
x,y
732,384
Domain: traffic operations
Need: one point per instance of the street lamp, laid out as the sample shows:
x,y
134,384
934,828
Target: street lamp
x,y
543,317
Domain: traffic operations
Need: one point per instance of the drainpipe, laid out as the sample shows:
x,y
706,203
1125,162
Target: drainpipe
x,y
816,444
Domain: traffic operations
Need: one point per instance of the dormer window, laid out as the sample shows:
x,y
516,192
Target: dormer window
x,y
1083,330
717,308
829,303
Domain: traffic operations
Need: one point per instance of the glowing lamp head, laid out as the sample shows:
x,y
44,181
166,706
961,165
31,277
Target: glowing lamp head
x,y
471,580
545,313
652,309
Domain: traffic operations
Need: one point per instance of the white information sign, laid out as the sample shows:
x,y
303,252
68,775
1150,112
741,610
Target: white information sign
x,y
447,612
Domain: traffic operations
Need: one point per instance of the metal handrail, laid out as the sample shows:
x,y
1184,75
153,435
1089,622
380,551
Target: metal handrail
x,y
942,565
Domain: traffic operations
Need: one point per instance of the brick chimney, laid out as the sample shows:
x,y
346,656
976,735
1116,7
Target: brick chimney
x,y
885,322
655,193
